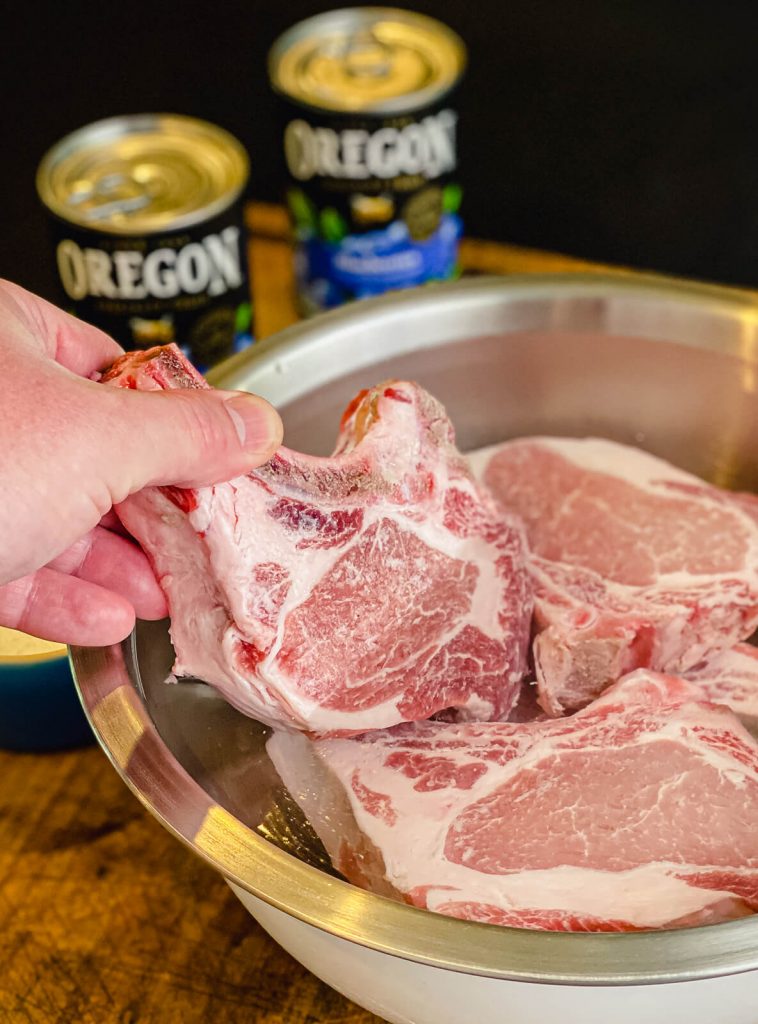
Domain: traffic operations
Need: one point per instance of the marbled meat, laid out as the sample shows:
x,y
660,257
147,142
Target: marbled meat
x,y
341,594
635,563
637,812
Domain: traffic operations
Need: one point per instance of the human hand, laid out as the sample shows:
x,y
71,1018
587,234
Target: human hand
x,y
70,449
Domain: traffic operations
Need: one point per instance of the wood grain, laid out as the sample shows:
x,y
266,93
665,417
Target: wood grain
x,y
105,917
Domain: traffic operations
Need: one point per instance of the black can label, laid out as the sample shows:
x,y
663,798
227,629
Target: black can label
x,y
190,286
374,201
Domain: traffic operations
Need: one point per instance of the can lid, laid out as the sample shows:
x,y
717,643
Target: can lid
x,y
142,173
20,647
379,60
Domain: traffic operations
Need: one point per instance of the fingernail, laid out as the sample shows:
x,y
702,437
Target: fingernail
x,y
257,423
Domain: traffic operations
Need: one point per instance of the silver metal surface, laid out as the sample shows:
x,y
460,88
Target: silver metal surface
x,y
668,366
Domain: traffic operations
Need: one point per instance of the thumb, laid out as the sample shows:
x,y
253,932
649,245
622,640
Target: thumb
x,y
189,438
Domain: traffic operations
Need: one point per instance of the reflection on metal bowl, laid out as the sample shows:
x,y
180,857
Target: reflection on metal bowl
x,y
668,366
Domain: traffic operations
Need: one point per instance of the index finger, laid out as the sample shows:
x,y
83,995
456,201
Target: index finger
x,y
77,345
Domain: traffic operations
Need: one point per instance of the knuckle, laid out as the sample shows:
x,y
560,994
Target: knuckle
x,y
17,601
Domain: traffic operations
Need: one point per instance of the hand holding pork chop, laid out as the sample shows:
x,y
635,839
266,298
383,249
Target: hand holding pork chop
x,y
70,449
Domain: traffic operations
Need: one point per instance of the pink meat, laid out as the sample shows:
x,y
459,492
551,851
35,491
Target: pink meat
x,y
635,563
637,812
730,678
346,593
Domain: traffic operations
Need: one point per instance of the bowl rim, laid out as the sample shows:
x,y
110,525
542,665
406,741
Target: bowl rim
x,y
477,292
132,743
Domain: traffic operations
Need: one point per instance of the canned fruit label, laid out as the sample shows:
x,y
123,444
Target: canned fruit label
x,y
374,206
191,287
400,147
148,232
369,138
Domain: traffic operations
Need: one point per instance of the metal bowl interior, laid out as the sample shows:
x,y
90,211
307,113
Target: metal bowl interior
x,y
670,367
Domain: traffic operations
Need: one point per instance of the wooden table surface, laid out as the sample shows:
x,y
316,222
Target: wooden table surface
x,y
105,917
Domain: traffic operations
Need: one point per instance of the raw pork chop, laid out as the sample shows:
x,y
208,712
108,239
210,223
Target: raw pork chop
x,y
730,678
635,563
345,593
637,812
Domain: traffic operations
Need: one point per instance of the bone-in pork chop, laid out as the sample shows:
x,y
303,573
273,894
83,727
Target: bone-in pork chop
x,y
341,594
636,812
635,563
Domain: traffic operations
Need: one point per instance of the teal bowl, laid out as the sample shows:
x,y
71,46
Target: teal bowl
x,y
39,706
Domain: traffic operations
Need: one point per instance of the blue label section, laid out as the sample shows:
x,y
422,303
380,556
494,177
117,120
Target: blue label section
x,y
360,266
242,341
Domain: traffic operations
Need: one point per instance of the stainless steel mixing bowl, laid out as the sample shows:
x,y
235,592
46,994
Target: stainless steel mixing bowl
x,y
668,366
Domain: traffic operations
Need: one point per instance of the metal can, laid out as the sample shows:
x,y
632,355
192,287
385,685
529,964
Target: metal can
x,y
369,139
148,230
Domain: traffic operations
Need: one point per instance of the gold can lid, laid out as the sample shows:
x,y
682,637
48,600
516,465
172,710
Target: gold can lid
x,y
142,173
378,60
16,646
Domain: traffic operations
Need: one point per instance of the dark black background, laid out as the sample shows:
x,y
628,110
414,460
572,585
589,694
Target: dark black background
x,y
620,131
